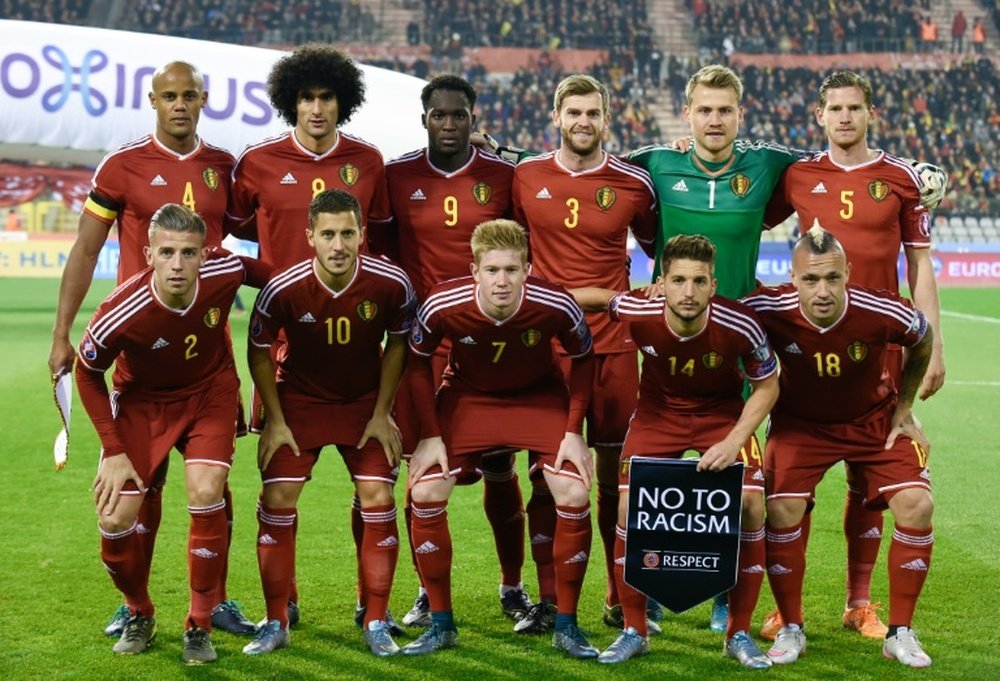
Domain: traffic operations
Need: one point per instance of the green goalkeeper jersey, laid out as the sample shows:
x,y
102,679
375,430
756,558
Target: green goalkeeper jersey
x,y
723,201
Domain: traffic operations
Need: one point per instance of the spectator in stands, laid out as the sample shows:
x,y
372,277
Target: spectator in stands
x,y
978,35
928,35
958,28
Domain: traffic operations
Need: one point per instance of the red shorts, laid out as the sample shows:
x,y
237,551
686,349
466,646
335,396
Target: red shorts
x,y
658,434
405,411
616,391
202,427
474,424
316,423
799,453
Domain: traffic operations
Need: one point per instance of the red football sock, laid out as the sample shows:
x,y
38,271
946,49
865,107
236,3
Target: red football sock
x,y
408,519
379,554
433,548
358,532
571,554
227,496
207,544
293,588
806,525
124,557
863,531
633,602
749,577
607,520
909,561
276,558
505,512
148,521
542,528
786,566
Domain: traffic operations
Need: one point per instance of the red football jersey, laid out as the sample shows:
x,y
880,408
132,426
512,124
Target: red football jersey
x,y
277,178
436,212
699,373
132,183
578,226
500,356
165,354
334,338
834,374
872,208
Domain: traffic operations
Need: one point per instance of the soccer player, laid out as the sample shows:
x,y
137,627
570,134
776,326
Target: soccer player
x,y
171,165
503,388
837,404
334,385
438,195
577,203
315,89
175,385
696,347
870,201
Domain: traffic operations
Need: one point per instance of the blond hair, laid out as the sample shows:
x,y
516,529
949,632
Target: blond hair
x,y
499,235
715,76
581,84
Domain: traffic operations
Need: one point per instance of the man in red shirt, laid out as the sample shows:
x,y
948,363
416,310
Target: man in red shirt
x,y
697,348
438,195
334,385
503,389
315,89
870,201
171,165
578,203
175,385
838,404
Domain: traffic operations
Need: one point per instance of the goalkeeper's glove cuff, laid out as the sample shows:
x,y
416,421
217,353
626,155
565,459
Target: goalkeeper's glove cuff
x,y
512,154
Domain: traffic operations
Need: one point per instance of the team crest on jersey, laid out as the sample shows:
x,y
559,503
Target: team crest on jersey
x,y
857,351
349,174
740,184
211,177
712,359
482,193
878,190
606,197
531,337
212,317
367,310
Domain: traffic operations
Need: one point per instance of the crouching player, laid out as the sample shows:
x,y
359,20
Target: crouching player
x,y
175,385
334,385
836,404
502,389
694,345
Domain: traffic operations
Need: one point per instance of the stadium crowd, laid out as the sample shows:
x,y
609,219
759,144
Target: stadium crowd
x,y
808,26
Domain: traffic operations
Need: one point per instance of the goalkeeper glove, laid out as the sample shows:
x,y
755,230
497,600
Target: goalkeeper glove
x,y
933,183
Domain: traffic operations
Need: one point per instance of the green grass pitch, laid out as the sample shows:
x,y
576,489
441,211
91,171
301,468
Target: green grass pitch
x,y
55,596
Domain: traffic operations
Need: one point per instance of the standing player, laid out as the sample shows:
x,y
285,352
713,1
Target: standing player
x,y
577,203
696,349
315,89
175,385
870,201
837,404
438,195
334,386
503,388
171,165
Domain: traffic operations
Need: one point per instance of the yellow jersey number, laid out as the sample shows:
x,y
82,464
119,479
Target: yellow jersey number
x,y
338,330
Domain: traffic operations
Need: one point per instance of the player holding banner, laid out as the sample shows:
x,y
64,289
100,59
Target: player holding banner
x,y
690,397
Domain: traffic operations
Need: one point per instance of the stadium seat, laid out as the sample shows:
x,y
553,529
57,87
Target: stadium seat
x,y
971,222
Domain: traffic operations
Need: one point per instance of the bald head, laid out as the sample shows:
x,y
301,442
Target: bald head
x,y
188,70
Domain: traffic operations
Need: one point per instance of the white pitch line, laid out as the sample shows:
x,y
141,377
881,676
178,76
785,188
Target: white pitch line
x,y
970,317
989,384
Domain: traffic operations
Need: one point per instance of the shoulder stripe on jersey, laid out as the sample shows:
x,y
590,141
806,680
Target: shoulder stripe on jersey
x,y
885,306
556,299
753,145
224,265
765,301
406,158
535,159
910,171
266,142
128,146
652,147
384,268
744,324
281,281
444,299
493,158
366,143
102,328
640,306
632,170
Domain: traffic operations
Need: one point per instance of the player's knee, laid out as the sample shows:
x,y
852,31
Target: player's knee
x,y
571,493
116,522
430,491
785,512
375,494
912,507
204,492
752,517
